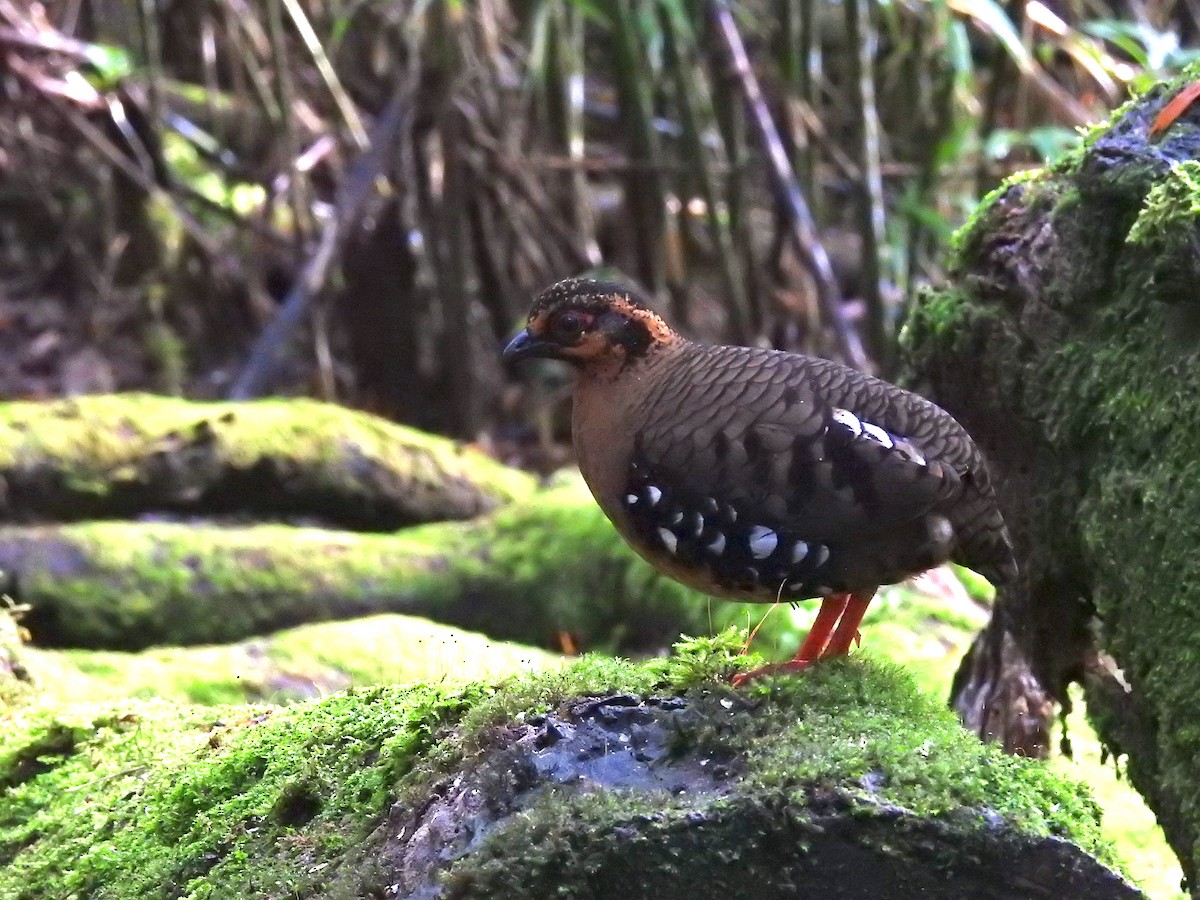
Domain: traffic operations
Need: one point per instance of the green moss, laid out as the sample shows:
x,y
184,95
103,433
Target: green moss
x,y
15,681
929,763
858,730
975,222
147,798
142,799
1165,231
529,572
1128,824
290,665
111,452
1092,351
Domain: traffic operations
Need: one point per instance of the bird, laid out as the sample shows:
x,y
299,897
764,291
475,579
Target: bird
x,y
761,475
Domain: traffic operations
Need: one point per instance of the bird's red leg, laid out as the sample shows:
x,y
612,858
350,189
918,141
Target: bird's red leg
x,y
847,628
832,609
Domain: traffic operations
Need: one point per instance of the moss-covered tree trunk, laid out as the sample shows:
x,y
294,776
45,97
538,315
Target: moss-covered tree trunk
x,y
1069,345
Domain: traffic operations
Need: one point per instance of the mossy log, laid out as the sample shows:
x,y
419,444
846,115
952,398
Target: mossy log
x,y
530,572
1069,345
119,456
604,780
288,666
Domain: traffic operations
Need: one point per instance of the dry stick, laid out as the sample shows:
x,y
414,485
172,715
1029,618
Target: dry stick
x,y
787,191
333,84
510,170
355,190
292,182
49,42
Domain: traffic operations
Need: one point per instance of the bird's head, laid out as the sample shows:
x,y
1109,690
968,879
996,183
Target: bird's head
x,y
596,325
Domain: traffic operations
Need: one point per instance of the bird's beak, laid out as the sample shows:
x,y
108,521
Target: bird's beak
x,y
526,343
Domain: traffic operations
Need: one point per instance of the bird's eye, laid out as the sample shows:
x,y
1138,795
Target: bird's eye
x,y
568,325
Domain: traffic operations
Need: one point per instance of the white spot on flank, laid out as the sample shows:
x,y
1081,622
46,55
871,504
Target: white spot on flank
x,y
911,452
669,540
799,551
796,586
677,517
697,524
940,529
878,433
631,499
762,541
717,546
731,513
848,419
654,494
822,555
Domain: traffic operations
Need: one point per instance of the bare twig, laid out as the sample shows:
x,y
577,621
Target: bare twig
x,y
340,98
142,177
783,182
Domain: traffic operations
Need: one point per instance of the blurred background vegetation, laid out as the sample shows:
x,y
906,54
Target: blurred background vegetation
x,y
355,199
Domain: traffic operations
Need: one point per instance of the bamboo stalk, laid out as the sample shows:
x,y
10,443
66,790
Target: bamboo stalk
x,y
644,192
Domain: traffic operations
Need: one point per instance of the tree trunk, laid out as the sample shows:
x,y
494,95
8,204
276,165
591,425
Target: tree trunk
x,y
1069,345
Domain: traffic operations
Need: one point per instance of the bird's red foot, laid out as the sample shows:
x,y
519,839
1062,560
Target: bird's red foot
x,y
832,634
792,665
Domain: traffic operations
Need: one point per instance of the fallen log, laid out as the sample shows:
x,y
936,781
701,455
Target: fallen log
x,y
544,572
127,455
291,665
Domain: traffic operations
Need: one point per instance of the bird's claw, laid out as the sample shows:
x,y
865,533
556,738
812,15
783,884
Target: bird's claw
x,y
741,679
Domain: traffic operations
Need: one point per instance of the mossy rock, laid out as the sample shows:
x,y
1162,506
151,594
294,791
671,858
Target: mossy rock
x,y
284,667
1069,345
123,455
532,572
606,779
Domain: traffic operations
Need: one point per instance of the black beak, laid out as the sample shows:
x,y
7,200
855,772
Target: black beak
x,y
526,344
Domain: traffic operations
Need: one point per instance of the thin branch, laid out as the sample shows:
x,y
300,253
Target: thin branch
x,y
340,98
783,182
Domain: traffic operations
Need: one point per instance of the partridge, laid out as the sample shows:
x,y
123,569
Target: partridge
x,y
760,475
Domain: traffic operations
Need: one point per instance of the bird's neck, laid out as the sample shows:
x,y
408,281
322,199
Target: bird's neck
x,y
607,410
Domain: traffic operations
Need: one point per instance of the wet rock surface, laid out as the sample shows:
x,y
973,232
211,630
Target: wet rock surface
x,y
663,817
